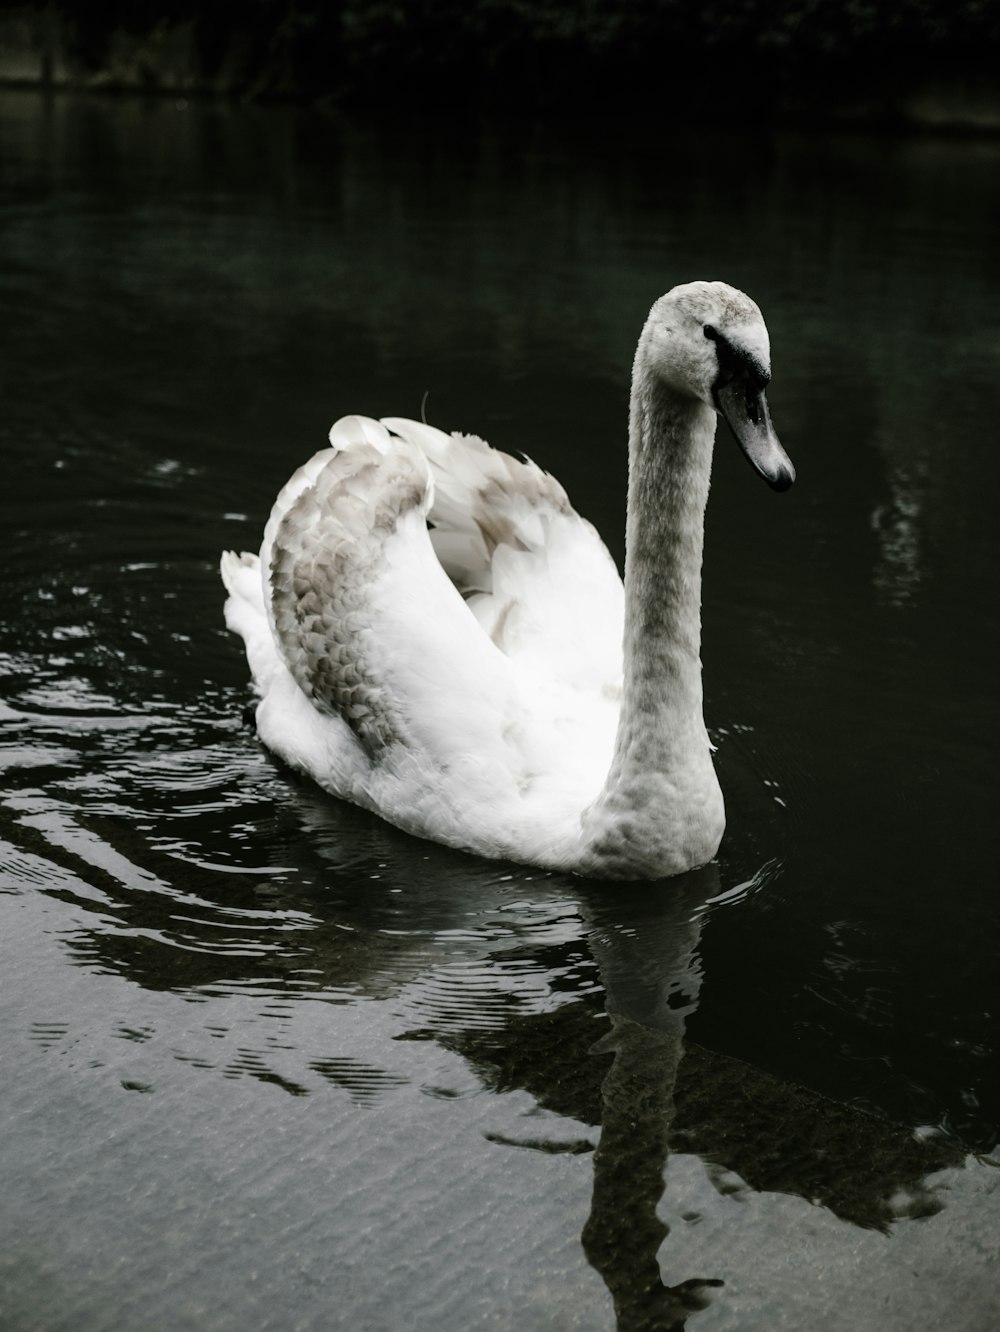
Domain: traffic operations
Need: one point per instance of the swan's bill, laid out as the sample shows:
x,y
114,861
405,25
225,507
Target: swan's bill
x,y
745,408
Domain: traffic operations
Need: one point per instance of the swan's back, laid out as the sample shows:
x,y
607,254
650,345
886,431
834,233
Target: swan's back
x,y
462,678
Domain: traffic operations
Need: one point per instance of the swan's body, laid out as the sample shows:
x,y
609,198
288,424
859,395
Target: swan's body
x,y
468,682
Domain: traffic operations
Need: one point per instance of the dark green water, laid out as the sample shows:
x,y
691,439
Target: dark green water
x,y
268,1064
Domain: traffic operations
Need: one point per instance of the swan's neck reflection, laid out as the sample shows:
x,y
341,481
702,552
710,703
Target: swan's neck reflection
x,y
645,944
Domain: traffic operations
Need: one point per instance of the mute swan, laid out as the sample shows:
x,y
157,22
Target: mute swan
x,y
438,637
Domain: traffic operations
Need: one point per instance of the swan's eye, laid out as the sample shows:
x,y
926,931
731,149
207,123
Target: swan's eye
x,y
710,332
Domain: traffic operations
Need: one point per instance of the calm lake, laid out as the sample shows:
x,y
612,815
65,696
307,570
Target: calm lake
x,y
269,1064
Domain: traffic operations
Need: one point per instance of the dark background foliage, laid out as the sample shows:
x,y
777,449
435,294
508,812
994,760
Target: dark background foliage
x,y
745,55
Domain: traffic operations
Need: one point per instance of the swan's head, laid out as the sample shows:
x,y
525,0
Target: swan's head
x,y
708,341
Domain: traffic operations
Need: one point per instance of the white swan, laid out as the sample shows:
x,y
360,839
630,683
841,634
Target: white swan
x,y
487,682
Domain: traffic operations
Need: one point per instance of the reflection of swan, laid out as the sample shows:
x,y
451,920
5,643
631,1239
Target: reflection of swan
x,y
466,683
651,974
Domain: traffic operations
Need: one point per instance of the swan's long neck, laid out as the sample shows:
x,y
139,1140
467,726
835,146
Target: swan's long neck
x,y
670,461
660,811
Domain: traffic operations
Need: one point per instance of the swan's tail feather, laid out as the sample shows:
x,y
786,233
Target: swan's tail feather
x,y
245,614
234,568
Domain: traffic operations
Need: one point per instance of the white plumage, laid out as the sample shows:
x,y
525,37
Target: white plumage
x,y
437,635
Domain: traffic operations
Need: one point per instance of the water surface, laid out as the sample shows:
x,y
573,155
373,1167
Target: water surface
x,y
269,1063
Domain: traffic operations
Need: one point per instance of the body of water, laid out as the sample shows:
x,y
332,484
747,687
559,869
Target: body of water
x,y
270,1064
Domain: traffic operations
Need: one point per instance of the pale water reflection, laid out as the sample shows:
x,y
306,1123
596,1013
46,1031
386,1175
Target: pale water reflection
x,y
274,1065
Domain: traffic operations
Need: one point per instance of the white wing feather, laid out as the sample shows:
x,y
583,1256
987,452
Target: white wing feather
x,y
462,681
538,576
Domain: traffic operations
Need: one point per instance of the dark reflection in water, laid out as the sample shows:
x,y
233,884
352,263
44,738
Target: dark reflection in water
x,y
646,952
251,1030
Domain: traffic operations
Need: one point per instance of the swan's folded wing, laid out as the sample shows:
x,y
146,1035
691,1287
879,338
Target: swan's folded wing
x,y
367,621
536,575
